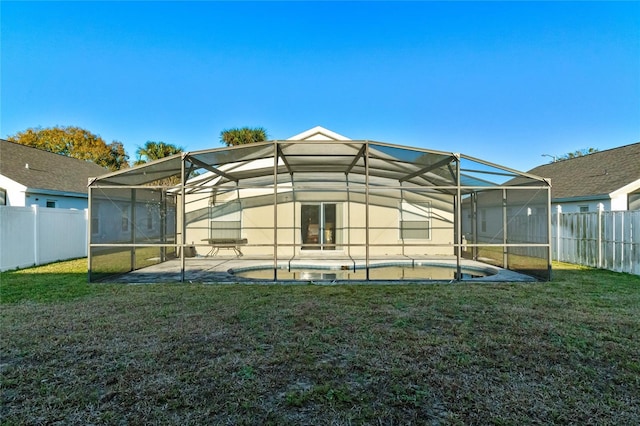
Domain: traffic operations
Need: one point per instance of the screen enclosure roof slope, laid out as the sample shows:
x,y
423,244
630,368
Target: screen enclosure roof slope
x,y
322,162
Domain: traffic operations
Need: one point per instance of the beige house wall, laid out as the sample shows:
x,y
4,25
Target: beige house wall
x,y
384,235
197,206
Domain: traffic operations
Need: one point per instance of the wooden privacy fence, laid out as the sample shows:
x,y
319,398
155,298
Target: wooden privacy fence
x,y
35,235
608,240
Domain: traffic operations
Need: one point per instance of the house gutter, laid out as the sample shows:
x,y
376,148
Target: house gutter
x,y
583,198
34,191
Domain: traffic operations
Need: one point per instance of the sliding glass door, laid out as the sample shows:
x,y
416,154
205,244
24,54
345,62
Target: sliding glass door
x,y
318,226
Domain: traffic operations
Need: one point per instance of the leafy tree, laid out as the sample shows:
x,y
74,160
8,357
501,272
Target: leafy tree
x,y
118,157
75,142
155,150
241,136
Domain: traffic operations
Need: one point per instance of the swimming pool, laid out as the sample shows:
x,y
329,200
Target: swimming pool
x,y
381,272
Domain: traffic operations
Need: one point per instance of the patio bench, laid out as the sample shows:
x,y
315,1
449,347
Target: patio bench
x,y
225,243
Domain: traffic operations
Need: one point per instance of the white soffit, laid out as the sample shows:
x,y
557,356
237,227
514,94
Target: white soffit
x,y
318,133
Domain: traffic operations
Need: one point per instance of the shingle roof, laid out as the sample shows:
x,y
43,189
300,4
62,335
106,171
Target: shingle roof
x,y
46,170
595,174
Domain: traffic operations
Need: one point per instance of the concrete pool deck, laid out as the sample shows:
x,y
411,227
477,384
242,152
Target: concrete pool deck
x,y
216,269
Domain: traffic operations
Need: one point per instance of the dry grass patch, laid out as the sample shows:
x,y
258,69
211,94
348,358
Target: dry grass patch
x,y
560,352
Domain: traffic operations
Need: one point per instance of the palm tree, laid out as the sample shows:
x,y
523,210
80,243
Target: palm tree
x,y
579,153
240,136
155,150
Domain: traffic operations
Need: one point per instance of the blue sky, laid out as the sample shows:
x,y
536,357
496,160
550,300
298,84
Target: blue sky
x,y
502,81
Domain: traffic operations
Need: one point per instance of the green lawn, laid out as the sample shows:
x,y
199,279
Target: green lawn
x,y
560,352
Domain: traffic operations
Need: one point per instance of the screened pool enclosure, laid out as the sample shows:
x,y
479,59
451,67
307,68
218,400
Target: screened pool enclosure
x,y
352,206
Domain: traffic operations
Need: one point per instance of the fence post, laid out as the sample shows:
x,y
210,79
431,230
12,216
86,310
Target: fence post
x,y
86,232
558,243
36,232
622,242
600,210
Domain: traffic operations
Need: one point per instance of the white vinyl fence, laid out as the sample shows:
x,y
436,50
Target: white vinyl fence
x,y
36,235
608,240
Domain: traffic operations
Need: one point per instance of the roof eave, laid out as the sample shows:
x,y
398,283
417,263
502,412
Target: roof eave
x,y
581,198
630,187
56,192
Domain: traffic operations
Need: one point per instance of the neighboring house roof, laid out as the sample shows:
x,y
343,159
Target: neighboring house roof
x,y
599,174
42,170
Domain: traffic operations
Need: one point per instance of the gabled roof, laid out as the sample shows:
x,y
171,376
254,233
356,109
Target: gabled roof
x,y
597,174
45,170
318,133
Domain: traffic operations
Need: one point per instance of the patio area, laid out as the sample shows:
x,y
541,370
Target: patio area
x,y
315,270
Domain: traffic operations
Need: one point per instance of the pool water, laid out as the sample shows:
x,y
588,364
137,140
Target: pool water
x,y
390,273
